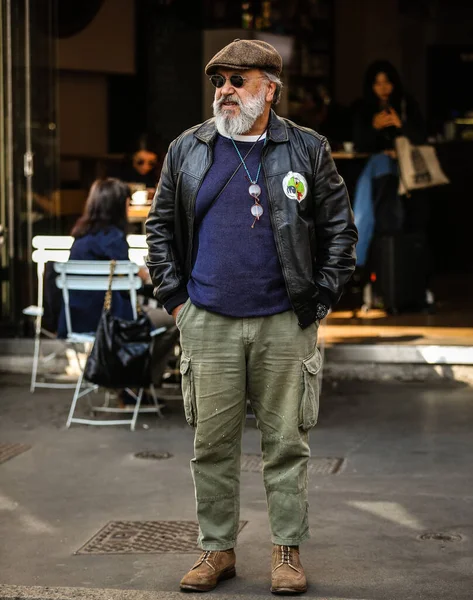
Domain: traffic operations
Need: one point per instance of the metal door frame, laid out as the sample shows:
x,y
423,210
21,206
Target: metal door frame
x,y
17,143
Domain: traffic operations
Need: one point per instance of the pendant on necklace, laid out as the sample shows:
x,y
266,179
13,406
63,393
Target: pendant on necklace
x,y
257,210
254,190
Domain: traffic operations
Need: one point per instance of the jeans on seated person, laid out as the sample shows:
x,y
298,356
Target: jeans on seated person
x,y
379,165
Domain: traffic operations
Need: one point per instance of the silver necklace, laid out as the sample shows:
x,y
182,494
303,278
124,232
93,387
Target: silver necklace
x,y
254,190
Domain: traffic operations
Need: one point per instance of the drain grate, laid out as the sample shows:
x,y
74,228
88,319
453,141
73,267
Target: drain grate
x,y
145,537
316,466
150,454
8,451
440,537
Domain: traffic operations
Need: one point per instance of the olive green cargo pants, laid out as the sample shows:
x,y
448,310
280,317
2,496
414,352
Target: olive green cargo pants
x,y
274,363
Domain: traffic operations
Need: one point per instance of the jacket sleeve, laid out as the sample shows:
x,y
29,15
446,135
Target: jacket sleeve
x,y
164,268
336,233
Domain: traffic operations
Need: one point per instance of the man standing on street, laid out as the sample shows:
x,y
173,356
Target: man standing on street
x,y
251,239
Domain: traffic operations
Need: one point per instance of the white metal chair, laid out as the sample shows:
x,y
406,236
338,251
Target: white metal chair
x,y
46,248
138,248
94,276
56,248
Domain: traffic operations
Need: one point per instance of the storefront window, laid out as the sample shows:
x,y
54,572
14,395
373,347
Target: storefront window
x,y
29,202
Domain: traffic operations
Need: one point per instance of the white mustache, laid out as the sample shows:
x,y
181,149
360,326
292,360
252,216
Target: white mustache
x,y
233,98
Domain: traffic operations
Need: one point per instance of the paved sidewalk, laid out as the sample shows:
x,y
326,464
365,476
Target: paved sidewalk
x,y
407,453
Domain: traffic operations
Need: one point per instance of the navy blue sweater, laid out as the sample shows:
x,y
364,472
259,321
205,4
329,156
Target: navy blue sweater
x,y
236,270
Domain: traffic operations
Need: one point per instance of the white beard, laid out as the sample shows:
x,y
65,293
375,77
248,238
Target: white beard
x,y
229,125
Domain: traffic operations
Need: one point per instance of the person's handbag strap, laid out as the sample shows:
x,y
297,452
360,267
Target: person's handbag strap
x,y
107,303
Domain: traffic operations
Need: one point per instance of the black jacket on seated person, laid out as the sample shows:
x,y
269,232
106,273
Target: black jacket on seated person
x,y
369,139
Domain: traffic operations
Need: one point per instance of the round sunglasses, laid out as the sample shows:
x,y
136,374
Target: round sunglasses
x,y
237,81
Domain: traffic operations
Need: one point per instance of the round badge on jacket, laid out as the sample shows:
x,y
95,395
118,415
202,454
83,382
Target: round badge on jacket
x,y
295,186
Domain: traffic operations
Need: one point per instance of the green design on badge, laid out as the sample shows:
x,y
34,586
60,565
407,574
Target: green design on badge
x,y
295,186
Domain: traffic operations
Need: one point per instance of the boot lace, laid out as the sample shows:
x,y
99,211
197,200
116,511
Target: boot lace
x,y
286,558
204,558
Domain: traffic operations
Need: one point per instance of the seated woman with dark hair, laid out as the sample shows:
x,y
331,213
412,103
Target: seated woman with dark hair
x,y
100,234
385,112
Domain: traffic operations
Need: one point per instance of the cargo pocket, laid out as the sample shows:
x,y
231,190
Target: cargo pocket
x,y
309,406
188,391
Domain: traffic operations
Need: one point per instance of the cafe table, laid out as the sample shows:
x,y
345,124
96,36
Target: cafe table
x,y
138,213
341,154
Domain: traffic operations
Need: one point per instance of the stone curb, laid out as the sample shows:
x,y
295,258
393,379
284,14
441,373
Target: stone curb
x,y
14,592
384,372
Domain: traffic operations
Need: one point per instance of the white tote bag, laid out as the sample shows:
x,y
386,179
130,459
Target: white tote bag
x,y
418,167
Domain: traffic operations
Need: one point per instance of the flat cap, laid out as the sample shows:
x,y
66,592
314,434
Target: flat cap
x,y
246,54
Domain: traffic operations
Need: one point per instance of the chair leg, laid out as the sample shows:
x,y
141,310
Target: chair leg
x,y
34,371
74,399
77,388
137,409
152,391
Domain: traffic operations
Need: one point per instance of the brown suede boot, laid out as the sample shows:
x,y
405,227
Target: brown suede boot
x,y
211,567
287,575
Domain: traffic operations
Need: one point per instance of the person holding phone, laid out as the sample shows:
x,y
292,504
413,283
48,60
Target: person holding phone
x,y
385,111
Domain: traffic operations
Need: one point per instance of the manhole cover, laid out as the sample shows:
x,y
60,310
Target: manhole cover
x,y
145,537
316,466
441,537
153,455
8,451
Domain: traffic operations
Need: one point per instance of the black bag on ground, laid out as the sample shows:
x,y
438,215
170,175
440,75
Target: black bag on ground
x,y
401,264
121,354
387,205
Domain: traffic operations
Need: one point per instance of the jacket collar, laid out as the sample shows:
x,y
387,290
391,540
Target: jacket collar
x,y
277,130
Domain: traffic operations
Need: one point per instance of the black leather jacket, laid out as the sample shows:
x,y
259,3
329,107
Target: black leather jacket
x,y
315,238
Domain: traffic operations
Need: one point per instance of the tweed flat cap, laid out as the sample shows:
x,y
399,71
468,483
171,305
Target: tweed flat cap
x,y
246,54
